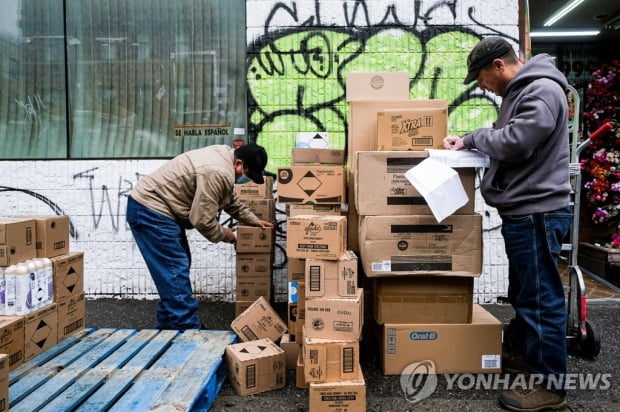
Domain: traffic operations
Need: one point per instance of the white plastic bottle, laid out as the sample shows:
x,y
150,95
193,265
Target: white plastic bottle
x,y
9,281
42,298
34,295
22,289
49,278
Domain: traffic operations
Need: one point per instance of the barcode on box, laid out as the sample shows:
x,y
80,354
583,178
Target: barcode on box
x,y
351,287
248,333
315,278
250,376
347,360
314,356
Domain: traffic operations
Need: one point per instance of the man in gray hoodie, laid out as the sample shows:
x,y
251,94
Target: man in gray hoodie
x,y
528,183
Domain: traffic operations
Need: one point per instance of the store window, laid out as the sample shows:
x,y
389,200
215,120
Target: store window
x,y
120,78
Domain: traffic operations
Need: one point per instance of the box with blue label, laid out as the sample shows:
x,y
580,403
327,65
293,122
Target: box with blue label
x,y
474,347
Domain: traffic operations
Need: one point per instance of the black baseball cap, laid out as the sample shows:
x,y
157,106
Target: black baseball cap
x,y
489,49
254,158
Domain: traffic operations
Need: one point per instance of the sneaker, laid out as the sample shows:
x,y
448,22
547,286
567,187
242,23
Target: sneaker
x,y
534,399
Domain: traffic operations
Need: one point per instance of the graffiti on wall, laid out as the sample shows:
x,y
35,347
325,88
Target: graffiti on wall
x,y
297,70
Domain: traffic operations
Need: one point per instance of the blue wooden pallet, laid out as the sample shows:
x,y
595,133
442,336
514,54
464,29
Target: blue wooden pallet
x,y
124,370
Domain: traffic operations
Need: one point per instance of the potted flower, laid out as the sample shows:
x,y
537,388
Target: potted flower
x,y
600,163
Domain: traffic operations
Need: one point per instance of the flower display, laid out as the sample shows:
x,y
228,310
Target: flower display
x,y
600,163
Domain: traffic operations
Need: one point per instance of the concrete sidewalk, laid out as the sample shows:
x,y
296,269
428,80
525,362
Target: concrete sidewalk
x,y
384,392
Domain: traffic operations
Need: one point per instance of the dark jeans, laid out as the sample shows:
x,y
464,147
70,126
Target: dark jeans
x,y
535,290
165,250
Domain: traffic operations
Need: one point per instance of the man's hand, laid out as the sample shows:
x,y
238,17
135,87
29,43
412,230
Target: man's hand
x,y
230,236
263,223
453,142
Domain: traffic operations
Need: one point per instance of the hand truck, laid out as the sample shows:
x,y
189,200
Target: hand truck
x,y
580,332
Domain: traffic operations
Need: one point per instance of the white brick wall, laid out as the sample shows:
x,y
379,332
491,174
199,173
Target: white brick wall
x,y
93,193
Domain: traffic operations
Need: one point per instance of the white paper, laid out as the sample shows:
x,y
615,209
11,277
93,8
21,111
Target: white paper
x,y
440,186
315,140
459,158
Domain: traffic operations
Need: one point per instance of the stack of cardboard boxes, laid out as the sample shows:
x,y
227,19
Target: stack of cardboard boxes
x,y
421,272
257,364
323,282
255,246
42,286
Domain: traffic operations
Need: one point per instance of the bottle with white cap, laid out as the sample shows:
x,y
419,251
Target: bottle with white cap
x,y
49,278
22,289
41,283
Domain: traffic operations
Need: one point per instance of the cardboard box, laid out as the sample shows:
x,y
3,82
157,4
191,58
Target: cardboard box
x,y
249,288
377,86
71,316
256,366
253,264
68,275
363,123
417,244
301,311
423,299
12,330
317,210
300,380
259,321
296,308
332,278
474,347
318,237
253,239
41,331
305,156
315,184
343,396
413,129
296,269
264,209
329,360
335,318
251,190
291,350
292,318
17,240
52,235
381,187
4,382
241,306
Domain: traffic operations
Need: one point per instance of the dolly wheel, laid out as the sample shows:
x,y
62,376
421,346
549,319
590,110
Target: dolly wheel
x,y
591,344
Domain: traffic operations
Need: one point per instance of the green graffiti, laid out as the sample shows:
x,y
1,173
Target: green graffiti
x,y
297,81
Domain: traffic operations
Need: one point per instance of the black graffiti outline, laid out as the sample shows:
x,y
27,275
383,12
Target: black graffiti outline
x,y
58,211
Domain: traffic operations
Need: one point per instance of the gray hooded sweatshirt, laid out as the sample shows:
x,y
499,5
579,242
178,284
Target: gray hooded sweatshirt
x,y
528,145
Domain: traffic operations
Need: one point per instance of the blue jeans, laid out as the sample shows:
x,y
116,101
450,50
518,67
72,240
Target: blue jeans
x,y
533,244
165,250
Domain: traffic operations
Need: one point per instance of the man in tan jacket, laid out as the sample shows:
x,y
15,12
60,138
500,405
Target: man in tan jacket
x,y
188,192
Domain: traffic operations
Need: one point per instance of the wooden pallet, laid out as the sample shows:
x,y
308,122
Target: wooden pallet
x,y
124,370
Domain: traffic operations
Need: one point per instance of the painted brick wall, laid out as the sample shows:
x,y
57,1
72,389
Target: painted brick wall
x,y
298,54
